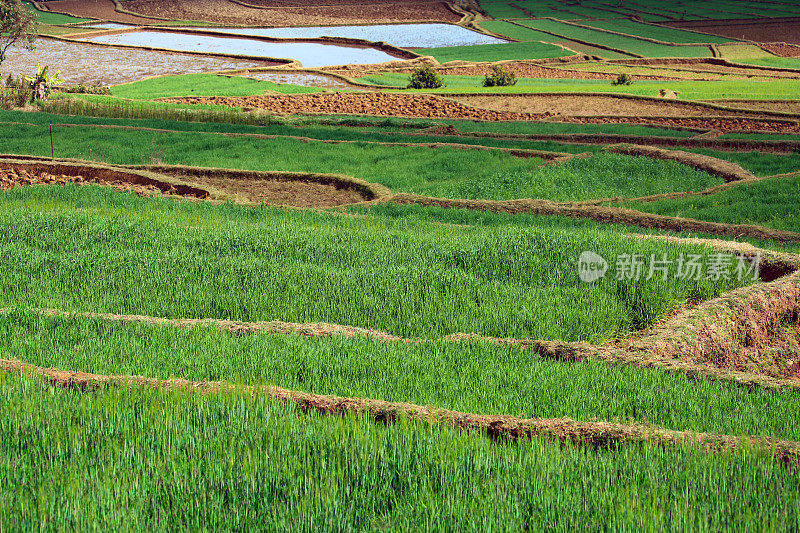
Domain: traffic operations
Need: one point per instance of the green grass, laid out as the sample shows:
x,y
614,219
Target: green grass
x,y
343,126
522,33
771,203
144,460
443,172
660,33
601,176
619,42
203,85
780,62
466,376
93,249
495,52
46,17
762,136
515,31
759,163
743,52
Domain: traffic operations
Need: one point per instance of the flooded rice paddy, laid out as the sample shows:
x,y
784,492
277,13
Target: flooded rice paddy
x,y
309,54
105,65
402,35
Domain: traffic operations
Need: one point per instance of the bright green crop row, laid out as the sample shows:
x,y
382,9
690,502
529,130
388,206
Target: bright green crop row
x,y
204,85
92,249
772,203
442,172
148,460
465,376
495,52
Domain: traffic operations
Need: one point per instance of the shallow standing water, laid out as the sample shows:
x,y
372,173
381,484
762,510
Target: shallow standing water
x,y
309,54
298,78
104,65
401,35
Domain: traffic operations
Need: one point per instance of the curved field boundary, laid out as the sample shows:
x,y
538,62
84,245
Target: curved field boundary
x,y
274,60
103,172
188,181
369,191
565,430
704,140
720,339
724,169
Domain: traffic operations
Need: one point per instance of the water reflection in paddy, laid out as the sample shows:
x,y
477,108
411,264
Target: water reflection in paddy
x,y
402,35
309,54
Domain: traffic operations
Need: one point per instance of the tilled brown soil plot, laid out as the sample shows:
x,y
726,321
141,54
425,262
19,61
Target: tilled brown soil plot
x,y
257,13
108,65
760,30
14,173
584,109
383,104
289,189
11,177
520,69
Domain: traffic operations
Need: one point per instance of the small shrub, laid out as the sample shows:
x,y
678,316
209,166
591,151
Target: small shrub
x,y
425,77
84,89
499,77
623,79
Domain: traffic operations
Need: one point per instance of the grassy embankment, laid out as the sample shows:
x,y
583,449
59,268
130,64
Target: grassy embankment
x,y
117,459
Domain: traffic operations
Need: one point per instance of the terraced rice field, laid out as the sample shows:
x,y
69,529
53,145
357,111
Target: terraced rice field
x,y
238,293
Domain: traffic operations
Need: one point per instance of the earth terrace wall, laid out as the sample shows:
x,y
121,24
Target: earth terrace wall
x,y
587,43
77,167
605,215
593,434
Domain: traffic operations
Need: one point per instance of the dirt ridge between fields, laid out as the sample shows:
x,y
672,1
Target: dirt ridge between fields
x,y
720,339
564,430
604,214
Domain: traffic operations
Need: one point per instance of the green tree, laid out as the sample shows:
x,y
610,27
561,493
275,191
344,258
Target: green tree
x,y
17,25
425,77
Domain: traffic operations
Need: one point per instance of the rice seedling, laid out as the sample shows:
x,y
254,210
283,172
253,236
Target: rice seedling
x,y
90,249
472,377
144,460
